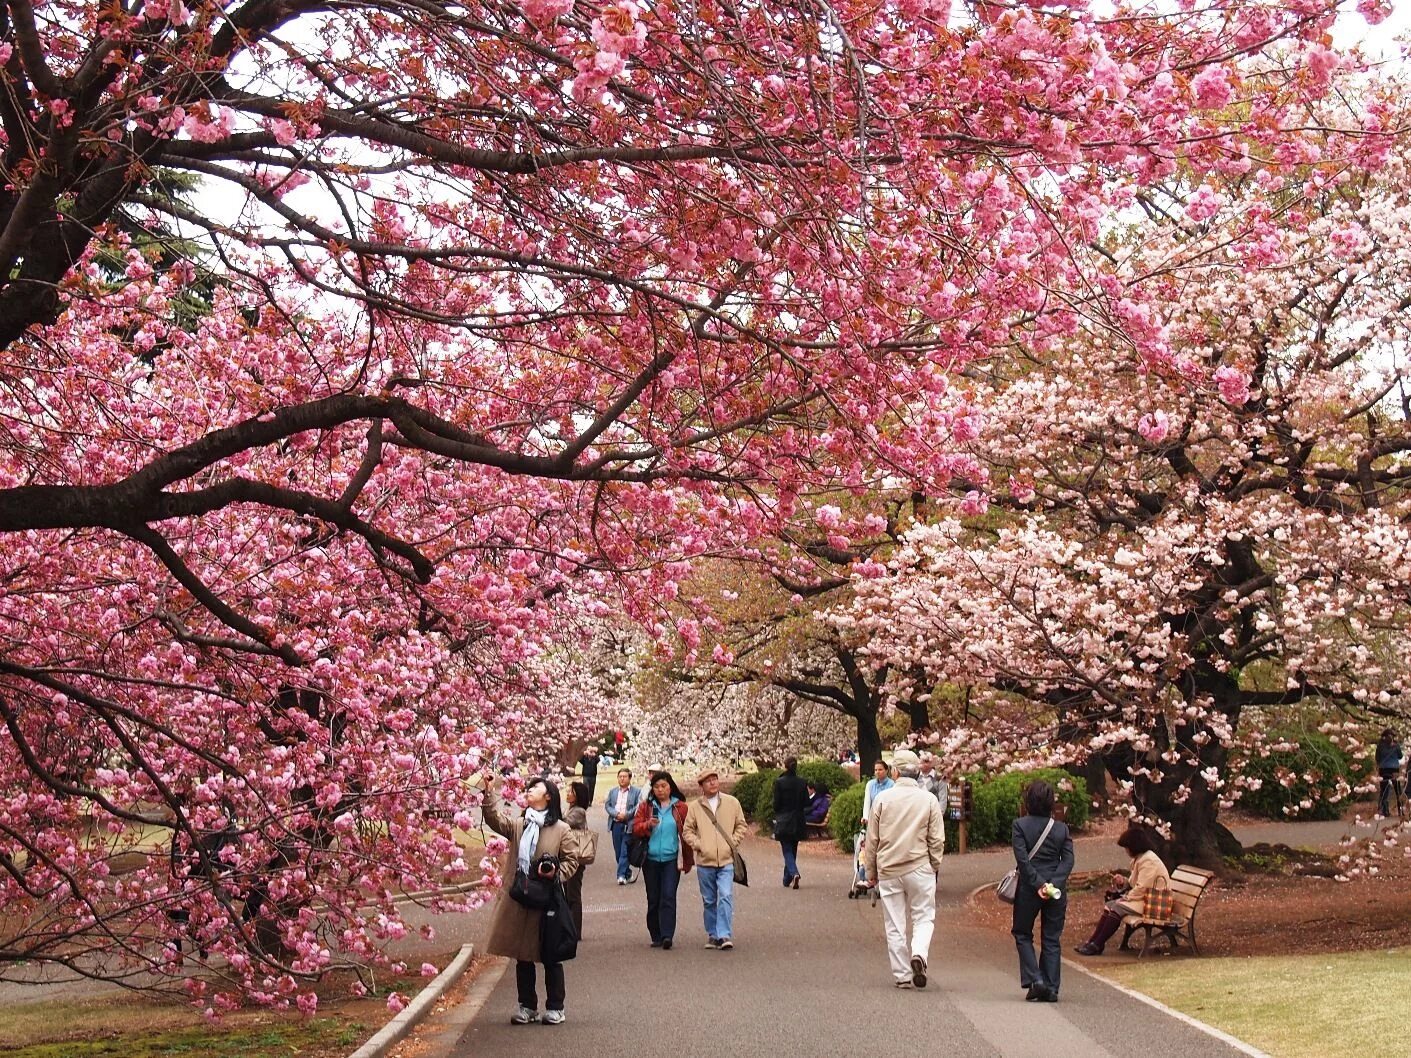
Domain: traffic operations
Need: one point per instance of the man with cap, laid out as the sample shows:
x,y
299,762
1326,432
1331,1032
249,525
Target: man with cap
x,y
906,839
715,825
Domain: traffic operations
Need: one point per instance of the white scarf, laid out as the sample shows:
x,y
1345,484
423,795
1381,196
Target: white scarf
x,y
533,819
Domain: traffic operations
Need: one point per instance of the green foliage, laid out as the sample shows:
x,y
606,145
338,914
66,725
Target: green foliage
x,y
834,776
1312,771
845,817
749,788
996,802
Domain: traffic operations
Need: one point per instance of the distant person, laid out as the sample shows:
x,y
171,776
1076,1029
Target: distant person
x,y
819,801
932,781
1043,853
715,826
589,763
906,840
660,819
1389,770
537,831
881,780
577,819
1128,894
790,812
621,805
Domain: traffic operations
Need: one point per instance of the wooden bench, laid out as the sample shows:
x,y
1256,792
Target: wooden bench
x,y
1187,885
819,829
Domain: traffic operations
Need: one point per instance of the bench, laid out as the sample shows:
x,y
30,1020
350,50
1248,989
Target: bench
x,y
1187,885
819,829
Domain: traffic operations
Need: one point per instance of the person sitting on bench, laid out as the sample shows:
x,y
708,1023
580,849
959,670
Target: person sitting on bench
x,y
1129,896
818,803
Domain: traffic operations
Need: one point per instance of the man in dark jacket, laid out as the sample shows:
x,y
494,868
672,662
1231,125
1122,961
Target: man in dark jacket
x,y
589,761
790,809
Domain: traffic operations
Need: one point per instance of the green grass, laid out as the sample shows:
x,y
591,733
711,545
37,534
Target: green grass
x,y
262,1041
1345,1005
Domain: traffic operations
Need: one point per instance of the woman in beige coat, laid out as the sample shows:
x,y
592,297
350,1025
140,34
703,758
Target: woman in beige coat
x,y
1129,898
537,830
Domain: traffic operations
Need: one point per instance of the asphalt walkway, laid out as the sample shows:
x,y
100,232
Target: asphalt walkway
x,y
809,976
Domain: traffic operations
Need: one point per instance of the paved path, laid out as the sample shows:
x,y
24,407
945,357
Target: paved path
x,y
809,977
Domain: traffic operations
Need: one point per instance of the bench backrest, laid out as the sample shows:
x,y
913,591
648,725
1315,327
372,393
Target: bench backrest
x,y
1187,883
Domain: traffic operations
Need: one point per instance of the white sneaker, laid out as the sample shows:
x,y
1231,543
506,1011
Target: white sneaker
x,y
553,1017
918,971
622,881
523,1016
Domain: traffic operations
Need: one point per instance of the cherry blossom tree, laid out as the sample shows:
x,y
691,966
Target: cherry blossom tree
x,y
1184,550
500,308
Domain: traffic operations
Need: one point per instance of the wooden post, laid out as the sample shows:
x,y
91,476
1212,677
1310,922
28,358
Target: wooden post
x,y
964,834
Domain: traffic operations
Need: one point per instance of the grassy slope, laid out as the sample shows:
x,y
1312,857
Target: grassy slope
x,y
1346,1005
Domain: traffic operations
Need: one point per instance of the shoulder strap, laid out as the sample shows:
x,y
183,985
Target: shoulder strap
x,y
1041,838
717,825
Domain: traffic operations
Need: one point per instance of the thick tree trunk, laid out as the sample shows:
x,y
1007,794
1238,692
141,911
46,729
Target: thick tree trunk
x,y
869,741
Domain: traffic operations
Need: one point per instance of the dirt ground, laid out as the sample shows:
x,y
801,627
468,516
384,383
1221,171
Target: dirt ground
x,y
1267,910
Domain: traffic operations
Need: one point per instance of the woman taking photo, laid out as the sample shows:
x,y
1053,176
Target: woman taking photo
x,y
533,833
658,821
1129,895
1043,854
790,806
577,819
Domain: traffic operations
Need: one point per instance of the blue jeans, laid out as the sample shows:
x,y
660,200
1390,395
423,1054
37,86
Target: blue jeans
x,y
718,896
661,878
621,838
791,863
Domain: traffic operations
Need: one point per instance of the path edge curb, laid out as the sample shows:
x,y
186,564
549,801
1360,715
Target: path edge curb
x,y
1195,1023
412,1014
1141,997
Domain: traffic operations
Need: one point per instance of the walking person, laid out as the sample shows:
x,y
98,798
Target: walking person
x,y
621,804
1389,771
881,780
906,840
715,826
660,819
1043,854
577,819
790,811
534,833
589,763
1128,895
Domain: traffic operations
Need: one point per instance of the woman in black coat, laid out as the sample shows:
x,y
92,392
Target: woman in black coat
x,y
1043,854
790,808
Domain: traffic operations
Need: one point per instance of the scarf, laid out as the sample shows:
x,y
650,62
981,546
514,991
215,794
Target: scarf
x,y
533,819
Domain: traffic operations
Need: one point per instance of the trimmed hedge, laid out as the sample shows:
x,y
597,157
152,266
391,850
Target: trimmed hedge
x,y
749,787
996,802
834,776
1313,771
845,816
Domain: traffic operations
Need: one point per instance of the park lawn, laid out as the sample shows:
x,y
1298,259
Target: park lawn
x,y
1339,1005
129,1027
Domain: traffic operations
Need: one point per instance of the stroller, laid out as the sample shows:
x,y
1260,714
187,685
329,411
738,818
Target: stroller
x,y
858,890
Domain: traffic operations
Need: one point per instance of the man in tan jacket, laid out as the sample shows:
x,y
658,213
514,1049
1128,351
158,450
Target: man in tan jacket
x,y
906,839
715,825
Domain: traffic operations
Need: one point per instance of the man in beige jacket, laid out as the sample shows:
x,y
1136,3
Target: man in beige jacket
x,y
906,839
714,846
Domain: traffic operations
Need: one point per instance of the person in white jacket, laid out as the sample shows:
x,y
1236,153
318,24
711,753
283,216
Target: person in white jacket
x,y
906,839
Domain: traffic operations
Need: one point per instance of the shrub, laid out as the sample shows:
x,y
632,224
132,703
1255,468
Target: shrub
x,y
834,776
749,788
996,802
1312,772
844,818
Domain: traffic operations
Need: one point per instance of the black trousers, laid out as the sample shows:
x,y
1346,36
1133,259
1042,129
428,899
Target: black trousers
x,y
1051,914
553,985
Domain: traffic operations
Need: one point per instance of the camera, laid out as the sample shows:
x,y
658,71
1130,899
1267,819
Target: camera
x,y
547,867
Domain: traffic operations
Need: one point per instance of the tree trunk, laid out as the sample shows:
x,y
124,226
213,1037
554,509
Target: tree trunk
x,y
869,741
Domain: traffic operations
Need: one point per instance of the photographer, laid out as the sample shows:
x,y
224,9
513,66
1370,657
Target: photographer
x,y
537,854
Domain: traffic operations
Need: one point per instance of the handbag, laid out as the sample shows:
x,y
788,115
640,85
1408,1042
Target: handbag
x,y
783,827
637,852
1159,904
558,937
1008,887
742,874
584,844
